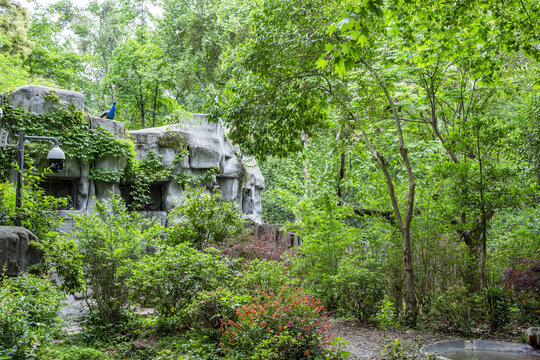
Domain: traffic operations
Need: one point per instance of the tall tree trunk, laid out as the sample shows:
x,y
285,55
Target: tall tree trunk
x,y
410,294
403,222
155,105
341,176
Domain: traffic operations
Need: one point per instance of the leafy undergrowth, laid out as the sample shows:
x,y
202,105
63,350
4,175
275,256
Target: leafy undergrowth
x,y
141,339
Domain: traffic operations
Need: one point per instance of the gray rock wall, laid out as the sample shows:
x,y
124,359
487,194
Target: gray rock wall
x,y
33,98
238,178
16,251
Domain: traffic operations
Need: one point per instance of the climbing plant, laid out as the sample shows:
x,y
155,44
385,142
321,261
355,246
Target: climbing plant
x,y
68,125
143,173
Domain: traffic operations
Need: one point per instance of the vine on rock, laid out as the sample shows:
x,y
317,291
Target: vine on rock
x,y
79,140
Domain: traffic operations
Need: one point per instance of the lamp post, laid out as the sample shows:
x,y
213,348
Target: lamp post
x,y
55,156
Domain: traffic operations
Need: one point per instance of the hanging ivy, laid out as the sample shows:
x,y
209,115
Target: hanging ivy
x,y
73,131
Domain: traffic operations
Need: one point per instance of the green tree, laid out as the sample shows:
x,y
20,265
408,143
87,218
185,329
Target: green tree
x,y
13,27
137,73
52,57
289,86
194,36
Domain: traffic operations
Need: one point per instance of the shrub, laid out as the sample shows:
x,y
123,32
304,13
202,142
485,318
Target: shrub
x,y
30,306
325,238
523,279
498,307
285,325
265,274
359,286
169,279
60,256
386,315
455,310
38,213
202,219
248,248
75,353
209,309
108,237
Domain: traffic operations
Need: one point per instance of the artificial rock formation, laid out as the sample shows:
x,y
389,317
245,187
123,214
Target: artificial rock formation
x,y
205,143
17,253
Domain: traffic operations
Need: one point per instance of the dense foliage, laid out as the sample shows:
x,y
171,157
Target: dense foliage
x,y
399,140
30,306
202,219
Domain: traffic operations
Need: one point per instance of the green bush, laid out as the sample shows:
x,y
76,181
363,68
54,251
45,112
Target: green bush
x,y
498,307
386,315
30,306
169,279
60,256
202,219
38,213
75,353
523,279
359,285
265,275
209,309
325,237
108,237
455,310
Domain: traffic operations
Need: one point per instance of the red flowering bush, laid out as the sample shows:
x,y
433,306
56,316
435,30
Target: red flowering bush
x,y
286,325
249,248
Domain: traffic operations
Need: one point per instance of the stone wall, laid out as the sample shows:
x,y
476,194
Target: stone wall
x,y
274,233
238,177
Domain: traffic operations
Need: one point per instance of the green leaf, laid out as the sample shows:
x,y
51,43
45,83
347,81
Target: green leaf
x,y
321,63
362,40
330,47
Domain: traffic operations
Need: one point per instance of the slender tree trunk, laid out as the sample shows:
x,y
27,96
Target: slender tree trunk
x,y
410,294
341,176
483,221
403,222
155,105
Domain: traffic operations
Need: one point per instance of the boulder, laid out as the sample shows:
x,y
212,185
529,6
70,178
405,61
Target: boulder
x,y
33,98
17,253
116,128
532,337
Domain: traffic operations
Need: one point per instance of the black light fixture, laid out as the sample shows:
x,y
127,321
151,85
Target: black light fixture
x,y
55,156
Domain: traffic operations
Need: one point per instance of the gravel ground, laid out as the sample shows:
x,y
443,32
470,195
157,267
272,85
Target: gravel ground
x,y
366,341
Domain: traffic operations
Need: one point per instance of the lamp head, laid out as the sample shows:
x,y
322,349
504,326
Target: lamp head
x,y
56,159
